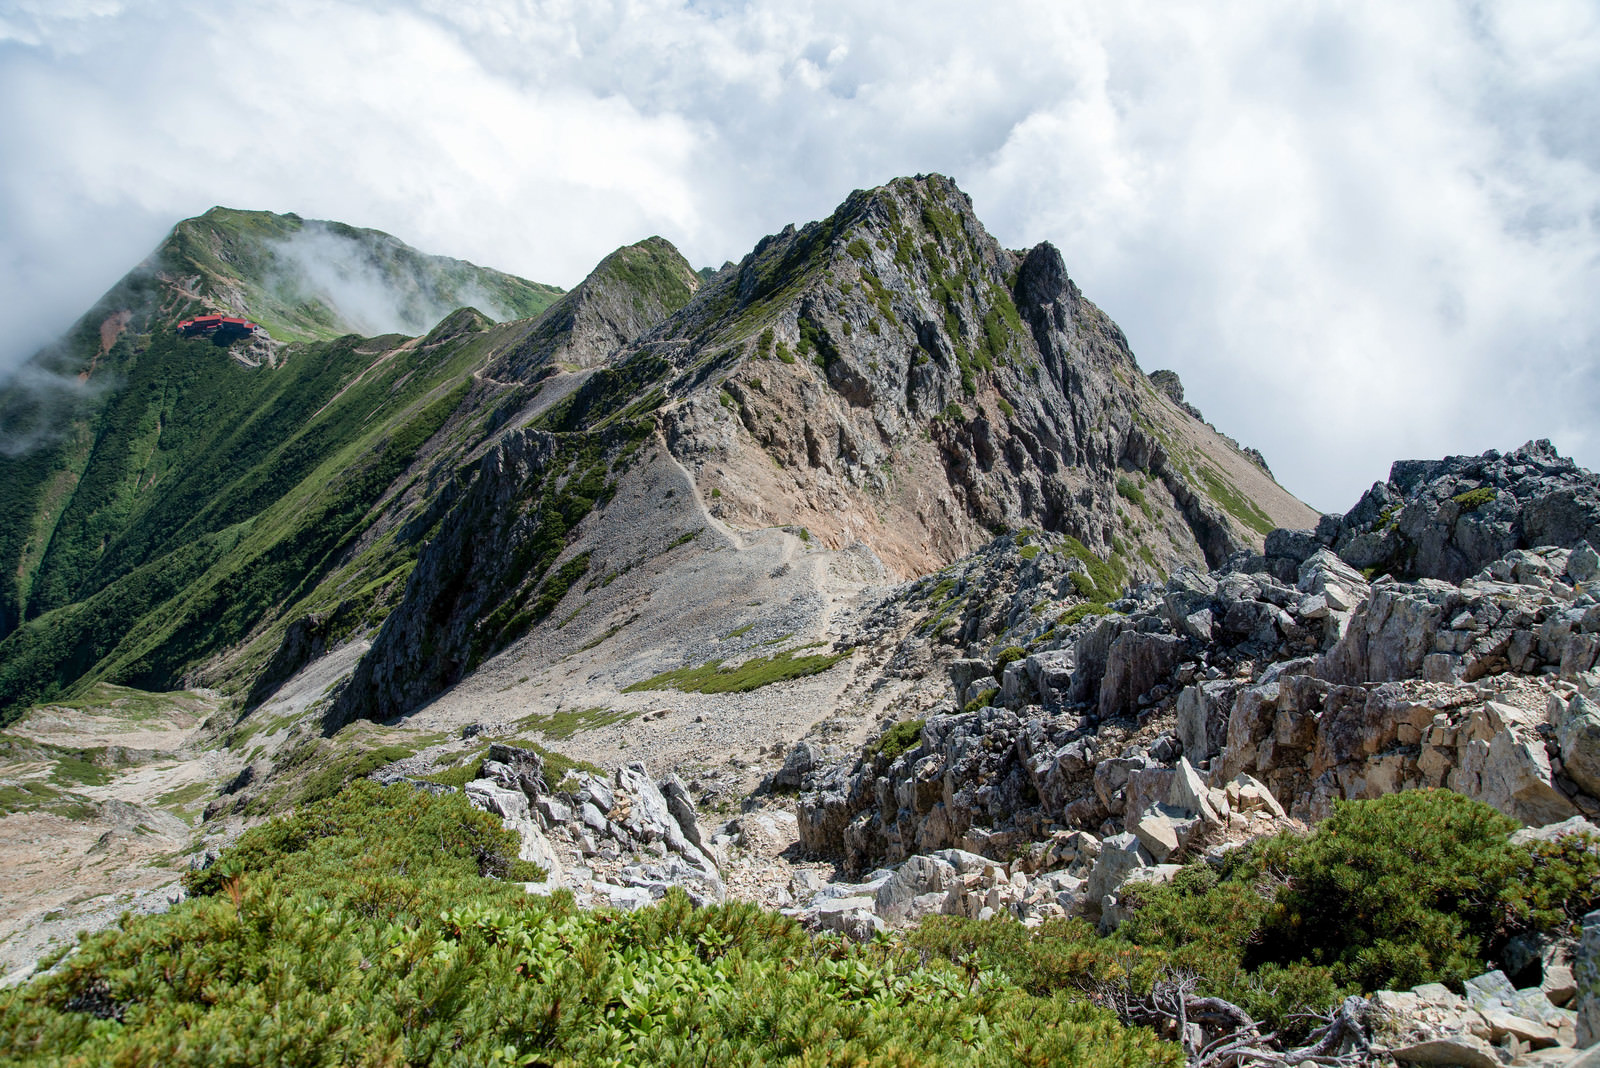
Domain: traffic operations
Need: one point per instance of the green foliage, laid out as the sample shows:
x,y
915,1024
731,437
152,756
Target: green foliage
x,y
1127,489
1009,655
1420,886
713,677
1237,504
1472,500
1101,580
329,780
362,931
900,738
1079,612
982,700
559,726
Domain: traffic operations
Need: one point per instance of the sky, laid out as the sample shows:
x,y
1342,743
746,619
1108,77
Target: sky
x,y
1360,232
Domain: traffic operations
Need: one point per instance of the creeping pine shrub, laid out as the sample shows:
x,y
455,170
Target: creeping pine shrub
x,y
1419,886
1472,500
903,736
1009,655
284,957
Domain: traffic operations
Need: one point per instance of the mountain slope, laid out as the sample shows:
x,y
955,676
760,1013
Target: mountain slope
x,y
120,405
888,377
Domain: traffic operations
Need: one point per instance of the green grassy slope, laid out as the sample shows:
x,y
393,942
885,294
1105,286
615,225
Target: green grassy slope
x,y
195,508
116,439
259,504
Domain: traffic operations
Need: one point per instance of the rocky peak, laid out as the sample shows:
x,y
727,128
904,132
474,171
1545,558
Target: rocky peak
x,y
629,292
921,387
1447,519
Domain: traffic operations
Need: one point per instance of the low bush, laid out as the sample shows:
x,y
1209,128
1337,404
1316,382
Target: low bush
x,y
287,957
902,737
1419,886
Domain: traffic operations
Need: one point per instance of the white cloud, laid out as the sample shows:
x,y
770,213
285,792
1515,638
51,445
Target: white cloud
x,y
1359,232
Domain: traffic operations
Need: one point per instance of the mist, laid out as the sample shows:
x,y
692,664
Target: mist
x,y
38,403
372,286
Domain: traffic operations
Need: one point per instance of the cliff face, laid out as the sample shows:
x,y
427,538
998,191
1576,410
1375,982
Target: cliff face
x,y
891,375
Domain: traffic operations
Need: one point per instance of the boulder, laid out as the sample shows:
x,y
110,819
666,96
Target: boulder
x,y
852,917
1586,979
922,875
1162,831
1189,794
802,760
1578,734
1583,564
1120,856
1455,1051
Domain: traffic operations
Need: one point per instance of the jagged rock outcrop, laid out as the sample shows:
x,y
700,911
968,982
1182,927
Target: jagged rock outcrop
x,y
1447,519
623,841
1305,692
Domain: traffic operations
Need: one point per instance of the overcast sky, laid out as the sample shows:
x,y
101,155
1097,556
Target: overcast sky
x,y
1360,232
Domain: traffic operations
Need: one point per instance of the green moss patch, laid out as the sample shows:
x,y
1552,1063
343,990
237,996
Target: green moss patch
x,y
713,677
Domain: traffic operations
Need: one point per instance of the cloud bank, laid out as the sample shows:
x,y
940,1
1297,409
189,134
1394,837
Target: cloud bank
x,y
1359,232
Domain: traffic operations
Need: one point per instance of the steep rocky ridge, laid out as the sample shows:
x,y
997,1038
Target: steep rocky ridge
x,y
895,377
888,377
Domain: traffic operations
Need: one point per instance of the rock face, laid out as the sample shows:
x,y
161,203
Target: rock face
x,y
1447,519
629,292
920,387
622,842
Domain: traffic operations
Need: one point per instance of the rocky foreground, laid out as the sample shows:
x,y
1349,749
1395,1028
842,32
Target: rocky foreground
x,y
1085,747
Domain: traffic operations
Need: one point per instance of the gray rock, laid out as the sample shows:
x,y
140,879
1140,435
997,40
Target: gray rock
x,y
915,878
1586,977
802,760
1161,831
1135,663
851,916
525,765
1583,564
681,807
1456,1051
1554,832
1294,545
963,673
1120,856
1579,737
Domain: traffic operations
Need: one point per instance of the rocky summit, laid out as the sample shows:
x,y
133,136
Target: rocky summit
x,y
868,580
